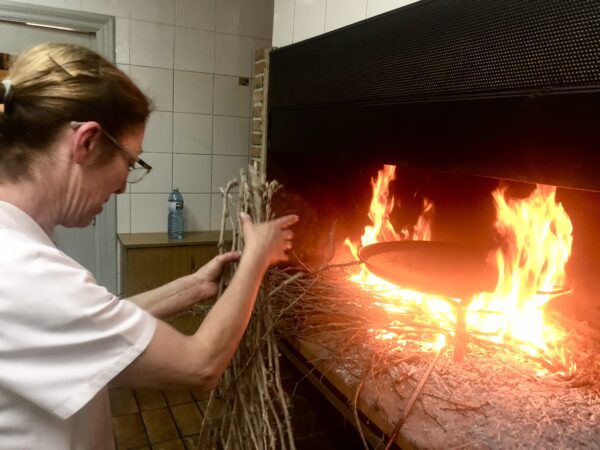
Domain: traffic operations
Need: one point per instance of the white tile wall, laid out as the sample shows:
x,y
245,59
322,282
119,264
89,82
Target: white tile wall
x,y
192,173
148,213
263,19
340,13
193,133
161,11
283,22
156,84
197,212
119,8
296,20
233,55
226,168
159,130
376,7
152,44
122,40
235,17
194,50
195,14
66,4
309,18
231,98
193,92
231,135
187,56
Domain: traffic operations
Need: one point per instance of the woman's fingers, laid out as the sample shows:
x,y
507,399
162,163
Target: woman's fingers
x,y
246,221
287,221
272,239
228,257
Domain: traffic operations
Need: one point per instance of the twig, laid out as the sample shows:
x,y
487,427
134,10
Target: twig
x,y
285,283
355,411
412,399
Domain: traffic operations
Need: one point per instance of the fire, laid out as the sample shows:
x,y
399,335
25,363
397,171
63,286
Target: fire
x,y
536,237
382,205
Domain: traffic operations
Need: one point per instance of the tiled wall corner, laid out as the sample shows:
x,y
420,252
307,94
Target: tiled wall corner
x,y
297,20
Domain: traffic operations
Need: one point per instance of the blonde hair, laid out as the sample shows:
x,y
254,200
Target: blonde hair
x,y
53,84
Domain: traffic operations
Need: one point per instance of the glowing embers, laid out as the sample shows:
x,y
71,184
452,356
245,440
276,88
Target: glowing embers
x,y
535,237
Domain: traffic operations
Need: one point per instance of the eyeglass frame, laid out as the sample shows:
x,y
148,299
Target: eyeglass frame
x,y
136,159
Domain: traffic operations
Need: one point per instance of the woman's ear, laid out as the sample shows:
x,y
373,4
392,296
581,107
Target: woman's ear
x,y
85,140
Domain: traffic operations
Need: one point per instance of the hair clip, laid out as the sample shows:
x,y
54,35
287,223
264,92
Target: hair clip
x,y
60,66
8,95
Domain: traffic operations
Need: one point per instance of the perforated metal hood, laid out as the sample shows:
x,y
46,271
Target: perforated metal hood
x,y
507,89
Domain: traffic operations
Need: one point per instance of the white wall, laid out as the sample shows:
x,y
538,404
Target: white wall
x,y
296,20
187,56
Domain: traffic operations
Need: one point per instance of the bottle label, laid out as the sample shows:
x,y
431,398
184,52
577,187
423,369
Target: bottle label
x,y
173,205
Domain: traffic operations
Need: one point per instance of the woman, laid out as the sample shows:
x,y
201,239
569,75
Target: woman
x,y
70,135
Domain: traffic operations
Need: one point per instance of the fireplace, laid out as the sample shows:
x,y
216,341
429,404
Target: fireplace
x,y
463,98
459,95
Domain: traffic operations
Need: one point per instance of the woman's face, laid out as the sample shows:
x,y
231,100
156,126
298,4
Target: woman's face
x,y
101,180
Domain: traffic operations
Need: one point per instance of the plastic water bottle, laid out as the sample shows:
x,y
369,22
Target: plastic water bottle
x,y
175,219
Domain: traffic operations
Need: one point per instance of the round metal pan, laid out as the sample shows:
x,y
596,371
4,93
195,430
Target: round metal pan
x,y
435,267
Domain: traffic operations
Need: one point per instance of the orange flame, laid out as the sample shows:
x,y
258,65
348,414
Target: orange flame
x,y
536,236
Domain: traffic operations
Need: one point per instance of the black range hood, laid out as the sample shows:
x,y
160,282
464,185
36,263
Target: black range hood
x,y
506,89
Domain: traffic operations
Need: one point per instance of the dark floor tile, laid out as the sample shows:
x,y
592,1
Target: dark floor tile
x,y
178,397
129,431
200,396
175,444
191,442
150,399
122,401
159,425
216,406
187,418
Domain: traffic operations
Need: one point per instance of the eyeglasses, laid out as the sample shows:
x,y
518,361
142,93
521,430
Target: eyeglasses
x,y
138,169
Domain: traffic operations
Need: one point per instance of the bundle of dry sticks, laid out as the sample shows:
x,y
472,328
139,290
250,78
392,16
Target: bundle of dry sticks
x,y
249,408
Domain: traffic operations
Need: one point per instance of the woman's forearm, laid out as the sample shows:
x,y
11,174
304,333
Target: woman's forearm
x,y
199,360
170,298
221,331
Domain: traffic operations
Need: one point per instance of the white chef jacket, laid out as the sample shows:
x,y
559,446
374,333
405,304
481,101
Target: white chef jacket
x,y
62,339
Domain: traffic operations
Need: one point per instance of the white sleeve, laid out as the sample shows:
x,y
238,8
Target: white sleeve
x,y
62,337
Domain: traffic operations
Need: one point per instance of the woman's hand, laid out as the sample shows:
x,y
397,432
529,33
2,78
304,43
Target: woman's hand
x,y
209,274
268,241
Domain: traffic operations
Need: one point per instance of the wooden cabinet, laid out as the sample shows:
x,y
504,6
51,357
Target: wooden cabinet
x,y
149,260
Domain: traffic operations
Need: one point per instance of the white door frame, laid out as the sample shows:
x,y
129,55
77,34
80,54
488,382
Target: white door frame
x,y
103,27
